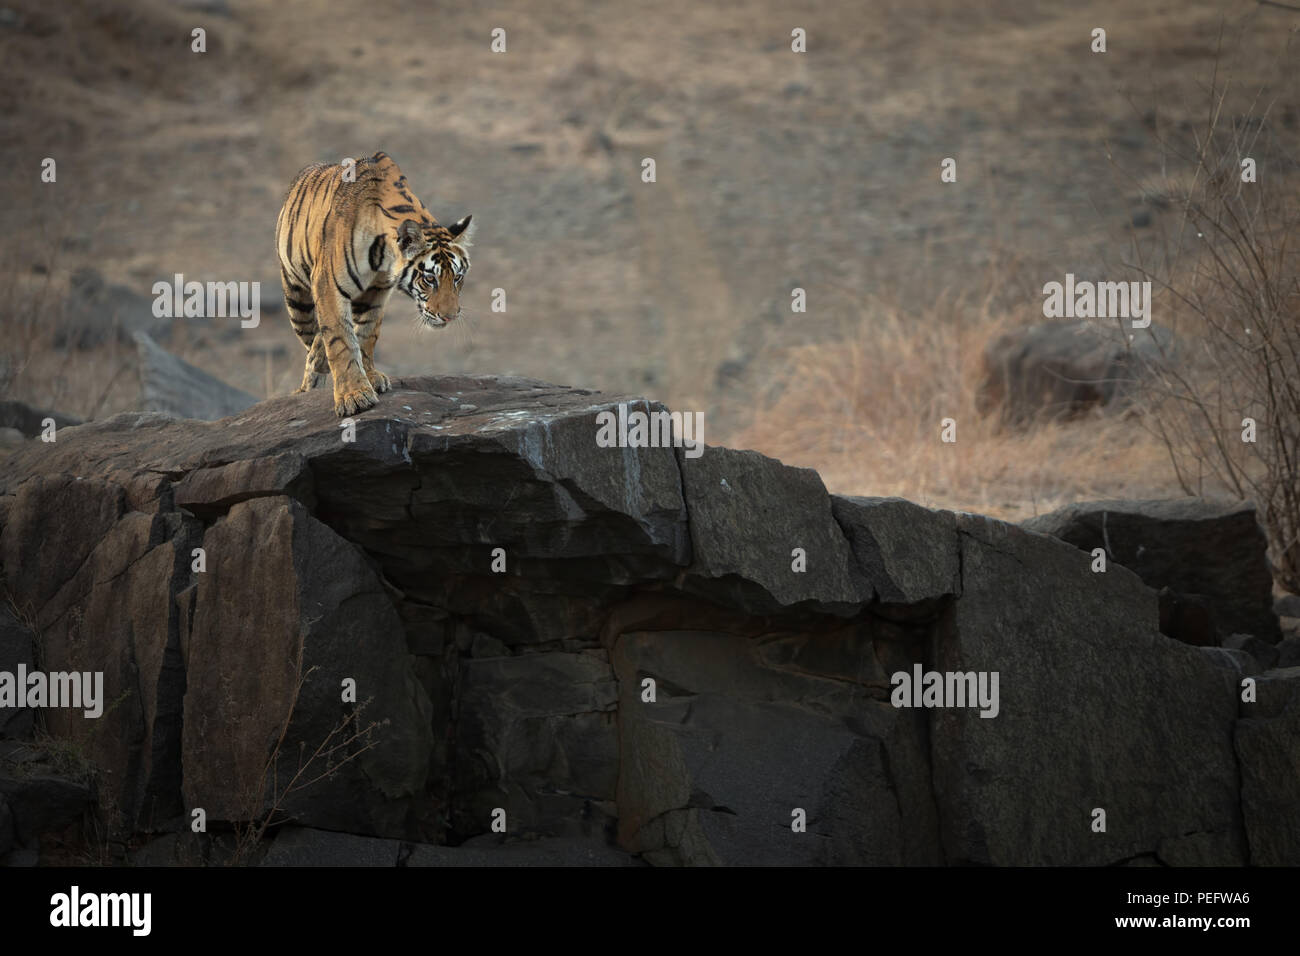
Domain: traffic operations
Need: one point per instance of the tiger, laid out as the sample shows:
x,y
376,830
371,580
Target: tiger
x,y
346,236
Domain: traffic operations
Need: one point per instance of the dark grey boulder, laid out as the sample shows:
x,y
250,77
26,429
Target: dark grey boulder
x,y
908,554
325,667
746,738
539,740
175,387
1210,554
1267,741
749,514
1032,610
1062,368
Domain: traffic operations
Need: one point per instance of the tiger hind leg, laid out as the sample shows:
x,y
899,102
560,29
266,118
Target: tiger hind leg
x,y
317,370
302,316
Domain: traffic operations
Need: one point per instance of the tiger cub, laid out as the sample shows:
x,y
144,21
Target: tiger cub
x,y
345,242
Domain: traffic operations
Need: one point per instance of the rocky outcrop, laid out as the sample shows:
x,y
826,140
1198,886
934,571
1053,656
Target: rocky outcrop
x,y
1208,559
1267,741
460,625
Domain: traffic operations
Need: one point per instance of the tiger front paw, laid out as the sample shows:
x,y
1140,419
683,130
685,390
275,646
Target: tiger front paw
x,y
379,381
349,401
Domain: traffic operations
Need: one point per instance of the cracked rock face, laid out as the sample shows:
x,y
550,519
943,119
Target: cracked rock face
x,y
465,608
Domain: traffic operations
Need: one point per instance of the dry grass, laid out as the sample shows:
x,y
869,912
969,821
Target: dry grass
x,y
867,412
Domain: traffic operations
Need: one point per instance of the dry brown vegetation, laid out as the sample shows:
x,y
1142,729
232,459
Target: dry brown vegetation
x,y
1228,410
867,412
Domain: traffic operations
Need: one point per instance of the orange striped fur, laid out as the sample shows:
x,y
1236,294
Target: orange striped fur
x,y
344,246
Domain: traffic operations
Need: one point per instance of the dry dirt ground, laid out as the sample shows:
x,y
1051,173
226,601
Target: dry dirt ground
x,y
775,170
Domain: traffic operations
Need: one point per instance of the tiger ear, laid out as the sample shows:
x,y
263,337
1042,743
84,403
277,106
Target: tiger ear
x,y
462,230
410,238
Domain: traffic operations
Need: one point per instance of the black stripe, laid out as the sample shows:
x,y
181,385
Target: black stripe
x,y
292,221
297,206
342,291
377,253
361,308
402,208
351,266
300,306
289,282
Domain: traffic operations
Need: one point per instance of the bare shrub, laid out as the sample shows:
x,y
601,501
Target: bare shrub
x,y
1228,411
265,799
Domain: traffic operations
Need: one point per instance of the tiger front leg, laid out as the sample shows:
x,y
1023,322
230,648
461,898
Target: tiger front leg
x,y
352,389
367,316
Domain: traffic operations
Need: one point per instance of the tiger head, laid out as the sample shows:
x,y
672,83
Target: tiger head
x,y
436,264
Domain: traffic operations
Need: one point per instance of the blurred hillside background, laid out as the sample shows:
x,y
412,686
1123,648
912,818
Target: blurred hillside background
x,y
775,170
